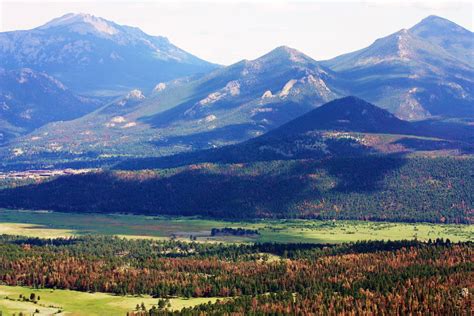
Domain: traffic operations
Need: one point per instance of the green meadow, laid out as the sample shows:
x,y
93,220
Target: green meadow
x,y
55,224
74,303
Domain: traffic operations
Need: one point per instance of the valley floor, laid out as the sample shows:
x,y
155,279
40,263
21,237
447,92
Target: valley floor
x,y
55,224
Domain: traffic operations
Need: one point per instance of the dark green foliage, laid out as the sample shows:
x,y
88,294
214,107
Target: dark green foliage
x,y
233,231
367,188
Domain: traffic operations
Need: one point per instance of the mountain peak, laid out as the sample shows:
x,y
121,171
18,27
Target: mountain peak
x,y
352,103
287,53
345,114
434,20
453,38
76,47
434,24
83,23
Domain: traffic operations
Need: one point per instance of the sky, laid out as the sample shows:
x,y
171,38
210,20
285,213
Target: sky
x,y
227,31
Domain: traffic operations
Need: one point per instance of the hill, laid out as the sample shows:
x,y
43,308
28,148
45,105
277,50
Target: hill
x,y
381,188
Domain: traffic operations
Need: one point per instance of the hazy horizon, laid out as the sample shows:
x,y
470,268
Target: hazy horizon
x,y
227,32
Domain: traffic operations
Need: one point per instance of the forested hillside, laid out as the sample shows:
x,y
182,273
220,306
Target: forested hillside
x,y
345,127
373,187
372,277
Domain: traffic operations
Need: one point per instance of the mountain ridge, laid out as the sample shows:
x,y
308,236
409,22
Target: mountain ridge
x,y
227,105
344,127
410,74
95,56
30,99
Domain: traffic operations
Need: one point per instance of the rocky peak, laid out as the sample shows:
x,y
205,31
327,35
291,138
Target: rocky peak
x,y
285,54
83,23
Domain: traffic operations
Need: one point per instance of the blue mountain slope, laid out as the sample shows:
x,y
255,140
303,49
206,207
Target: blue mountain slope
x,y
417,73
30,99
92,55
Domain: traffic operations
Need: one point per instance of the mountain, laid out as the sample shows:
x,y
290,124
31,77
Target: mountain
x,y
417,73
228,105
30,99
347,159
412,73
92,55
345,127
250,97
348,114
455,39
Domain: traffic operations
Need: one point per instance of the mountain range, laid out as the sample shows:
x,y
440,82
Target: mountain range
x,y
345,127
347,159
175,102
94,56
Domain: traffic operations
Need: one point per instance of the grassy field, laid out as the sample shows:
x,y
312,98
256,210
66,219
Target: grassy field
x,y
73,303
51,224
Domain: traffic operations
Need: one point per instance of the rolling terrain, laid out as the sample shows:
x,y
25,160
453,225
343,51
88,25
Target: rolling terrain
x,y
137,179
243,279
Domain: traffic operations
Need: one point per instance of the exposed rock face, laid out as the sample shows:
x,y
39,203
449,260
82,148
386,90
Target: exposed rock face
x,y
160,87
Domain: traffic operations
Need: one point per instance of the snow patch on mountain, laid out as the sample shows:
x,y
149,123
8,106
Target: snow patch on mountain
x,y
211,98
233,87
411,109
457,90
403,44
129,124
208,119
118,119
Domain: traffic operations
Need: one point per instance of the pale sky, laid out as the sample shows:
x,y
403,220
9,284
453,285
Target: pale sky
x,y
225,32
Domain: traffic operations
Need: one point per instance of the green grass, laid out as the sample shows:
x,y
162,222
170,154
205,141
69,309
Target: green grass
x,y
55,224
74,303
